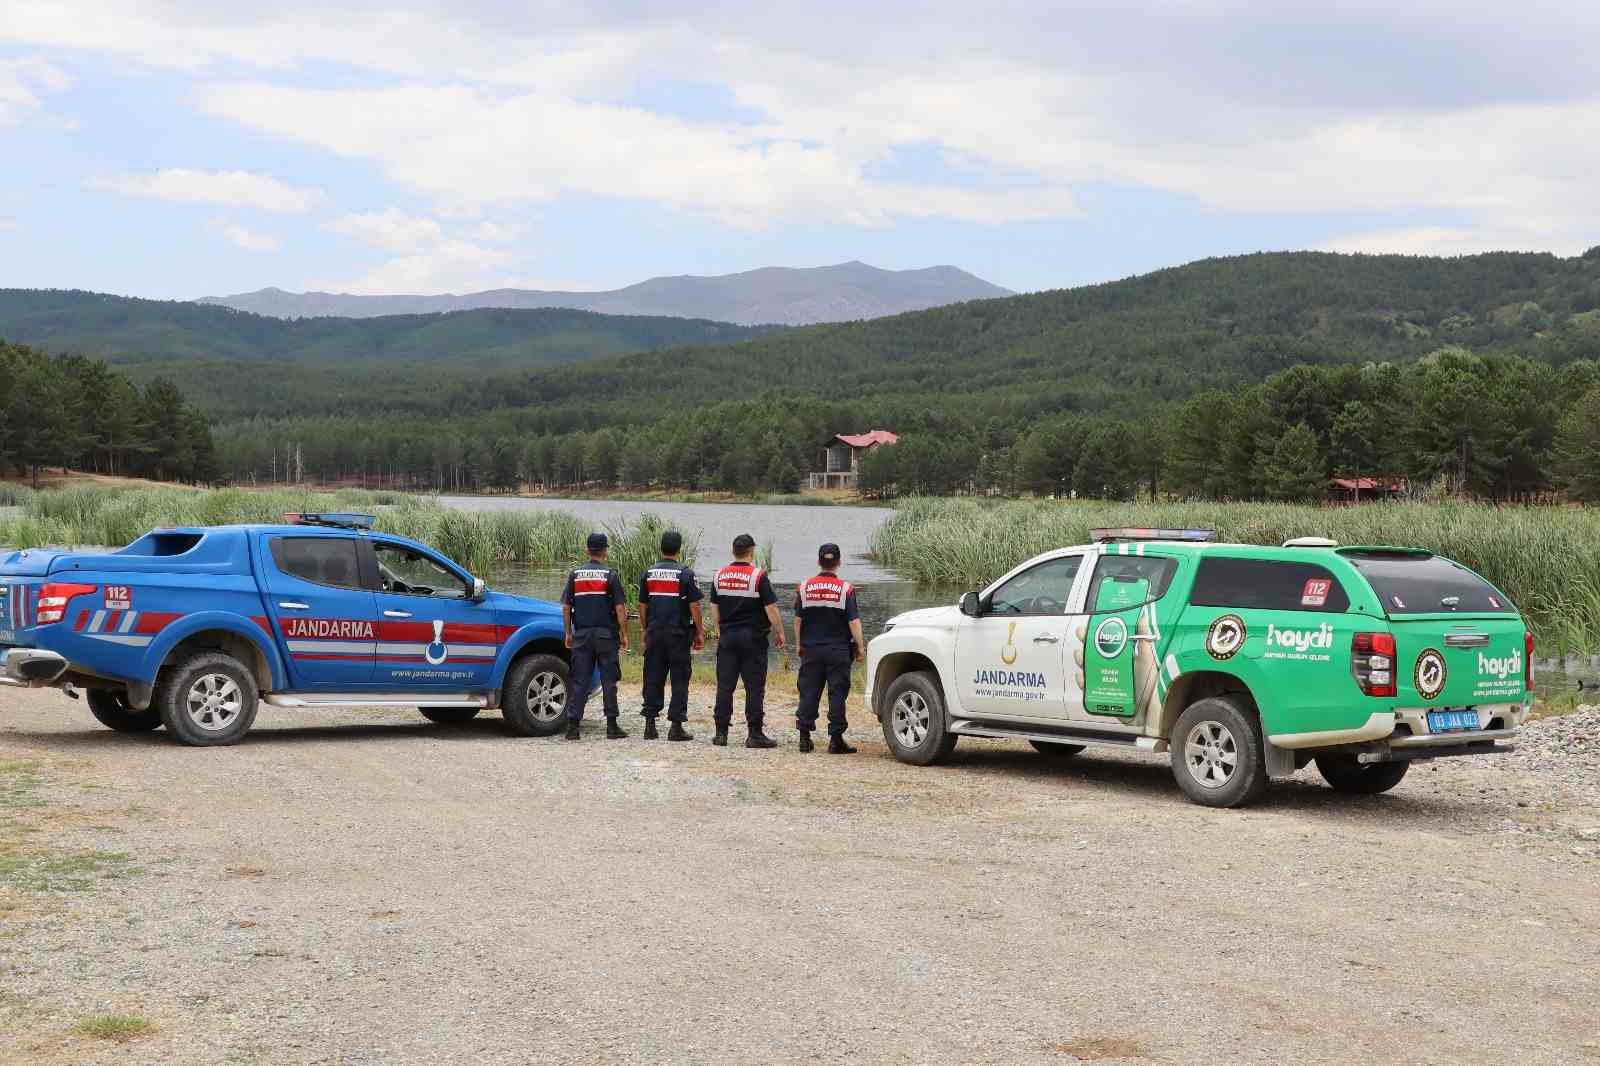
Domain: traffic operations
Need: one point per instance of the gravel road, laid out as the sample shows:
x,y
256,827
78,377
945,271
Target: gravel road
x,y
364,887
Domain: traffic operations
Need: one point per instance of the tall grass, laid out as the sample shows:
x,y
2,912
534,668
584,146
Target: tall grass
x,y
14,495
112,517
1546,559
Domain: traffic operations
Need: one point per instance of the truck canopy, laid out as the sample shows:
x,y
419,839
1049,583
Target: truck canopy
x,y
1410,583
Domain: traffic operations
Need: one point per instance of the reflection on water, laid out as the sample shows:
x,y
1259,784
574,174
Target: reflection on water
x,y
795,533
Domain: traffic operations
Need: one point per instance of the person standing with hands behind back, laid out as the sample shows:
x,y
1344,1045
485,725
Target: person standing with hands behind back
x,y
746,610
594,609
669,615
827,637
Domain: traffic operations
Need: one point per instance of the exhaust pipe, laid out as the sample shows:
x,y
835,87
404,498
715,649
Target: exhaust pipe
x,y
30,667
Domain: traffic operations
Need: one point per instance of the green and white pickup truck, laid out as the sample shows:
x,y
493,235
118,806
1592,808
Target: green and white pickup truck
x,y
1246,662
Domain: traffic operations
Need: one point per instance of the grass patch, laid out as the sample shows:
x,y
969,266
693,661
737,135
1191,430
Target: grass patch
x,y
29,868
118,1028
1547,559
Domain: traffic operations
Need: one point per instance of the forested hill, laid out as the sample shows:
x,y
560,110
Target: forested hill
x,y
168,334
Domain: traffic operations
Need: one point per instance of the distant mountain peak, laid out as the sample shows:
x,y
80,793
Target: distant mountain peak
x,y
793,296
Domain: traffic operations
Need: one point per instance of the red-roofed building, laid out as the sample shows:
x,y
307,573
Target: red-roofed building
x,y
1356,489
841,457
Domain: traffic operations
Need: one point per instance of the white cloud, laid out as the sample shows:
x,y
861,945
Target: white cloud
x,y
447,266
228,188
23,81
248,239
391,230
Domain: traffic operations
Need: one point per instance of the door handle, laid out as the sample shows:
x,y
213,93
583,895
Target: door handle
x,y
294,605
1466,640
1046,638
397,614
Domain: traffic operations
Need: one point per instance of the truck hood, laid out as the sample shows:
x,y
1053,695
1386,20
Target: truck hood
x,y
932,617
505,601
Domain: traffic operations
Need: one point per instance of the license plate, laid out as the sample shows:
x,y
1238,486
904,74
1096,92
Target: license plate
x,y
1448,721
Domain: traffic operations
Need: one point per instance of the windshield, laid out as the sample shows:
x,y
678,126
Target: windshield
x,y
1412,585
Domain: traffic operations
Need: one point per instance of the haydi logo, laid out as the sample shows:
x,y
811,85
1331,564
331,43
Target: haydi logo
x,y
1502,667
1300,640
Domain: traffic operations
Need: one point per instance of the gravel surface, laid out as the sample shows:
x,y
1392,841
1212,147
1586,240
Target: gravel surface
x,y
365,887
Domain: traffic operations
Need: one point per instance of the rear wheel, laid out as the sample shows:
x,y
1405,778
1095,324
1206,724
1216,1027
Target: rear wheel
x,y
1218,755
914,720
449,715
1341,771
1056,750
207,699
534,700
111,710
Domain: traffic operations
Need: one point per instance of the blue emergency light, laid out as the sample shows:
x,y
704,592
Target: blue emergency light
x,y
336,519
1129,533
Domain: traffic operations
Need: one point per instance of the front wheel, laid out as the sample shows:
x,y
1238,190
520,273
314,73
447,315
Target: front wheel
x,y
1218,755
1344,774
449,715
207,699
914,720
534,700
111,710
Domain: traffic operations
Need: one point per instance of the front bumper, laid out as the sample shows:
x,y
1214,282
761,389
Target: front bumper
x,y
31,668
1435,746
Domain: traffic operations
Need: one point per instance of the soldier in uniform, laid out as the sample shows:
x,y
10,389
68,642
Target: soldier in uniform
x,y
746,610
827,638
669,615
595,612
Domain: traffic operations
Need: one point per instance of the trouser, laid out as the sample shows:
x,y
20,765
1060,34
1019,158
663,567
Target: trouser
x,y
592,651
666,653
741,656
824,664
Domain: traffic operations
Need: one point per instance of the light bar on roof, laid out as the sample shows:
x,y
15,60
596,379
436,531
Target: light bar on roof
x,y
338,519
1113,533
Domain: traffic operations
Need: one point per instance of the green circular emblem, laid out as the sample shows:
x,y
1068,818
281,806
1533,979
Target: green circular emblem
x,y
1110,637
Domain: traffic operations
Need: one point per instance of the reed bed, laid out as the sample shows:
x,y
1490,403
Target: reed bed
x,y
1547,559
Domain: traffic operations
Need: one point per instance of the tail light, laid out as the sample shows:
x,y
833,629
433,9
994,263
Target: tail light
x,y
1372,662
1527,659
54,597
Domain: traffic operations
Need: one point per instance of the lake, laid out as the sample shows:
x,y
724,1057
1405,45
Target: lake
x,y
795,534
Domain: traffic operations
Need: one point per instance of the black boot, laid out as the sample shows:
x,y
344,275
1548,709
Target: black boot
x,y
650,729
677,732
837,746
572,729
758,739
720,738
614,731
805,740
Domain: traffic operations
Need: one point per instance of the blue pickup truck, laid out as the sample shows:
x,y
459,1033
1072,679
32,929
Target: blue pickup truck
x,y
194,628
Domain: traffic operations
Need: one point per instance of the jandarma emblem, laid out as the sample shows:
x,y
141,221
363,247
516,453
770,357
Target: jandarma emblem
x,y
1430,674
1008,650
1225,637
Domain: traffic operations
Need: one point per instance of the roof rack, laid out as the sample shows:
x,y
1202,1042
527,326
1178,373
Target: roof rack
x,y
1128,533
336,519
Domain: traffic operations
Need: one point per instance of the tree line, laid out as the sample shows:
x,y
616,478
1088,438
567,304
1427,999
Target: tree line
x,y
74,412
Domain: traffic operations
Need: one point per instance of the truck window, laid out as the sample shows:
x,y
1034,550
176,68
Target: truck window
x,y
323,560
1411,584
402,570
1267,585
1038,590
1127,570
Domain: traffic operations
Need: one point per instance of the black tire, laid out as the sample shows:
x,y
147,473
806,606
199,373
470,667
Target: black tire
x,y
185,691
1207,774
529,700
449,715
1055,749
1341,771
914,720
111,710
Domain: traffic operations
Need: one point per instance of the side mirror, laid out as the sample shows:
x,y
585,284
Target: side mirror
x,y
971,605
479,589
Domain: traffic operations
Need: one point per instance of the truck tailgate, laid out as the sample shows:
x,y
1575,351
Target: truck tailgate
x,y
1446,660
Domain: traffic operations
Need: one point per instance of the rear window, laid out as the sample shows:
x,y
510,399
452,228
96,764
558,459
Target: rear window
x,y
1411,585
1267,585
324,560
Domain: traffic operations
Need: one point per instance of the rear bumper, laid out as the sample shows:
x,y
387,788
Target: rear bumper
x,y
31,668
1435,746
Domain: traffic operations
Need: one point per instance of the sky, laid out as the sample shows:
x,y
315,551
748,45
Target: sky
x,y
176,148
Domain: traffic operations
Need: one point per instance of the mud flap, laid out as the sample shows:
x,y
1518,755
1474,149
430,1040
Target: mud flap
x,y
1280,761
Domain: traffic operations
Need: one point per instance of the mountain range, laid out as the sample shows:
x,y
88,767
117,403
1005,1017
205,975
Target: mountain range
x,y
771,295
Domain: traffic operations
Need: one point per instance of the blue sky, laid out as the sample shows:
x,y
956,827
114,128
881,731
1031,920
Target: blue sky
x,y
174,149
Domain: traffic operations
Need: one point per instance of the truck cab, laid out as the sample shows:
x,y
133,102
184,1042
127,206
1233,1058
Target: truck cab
x,y
193,628
1245,662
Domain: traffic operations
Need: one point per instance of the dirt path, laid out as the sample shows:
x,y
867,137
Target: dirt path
x,y
368,888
